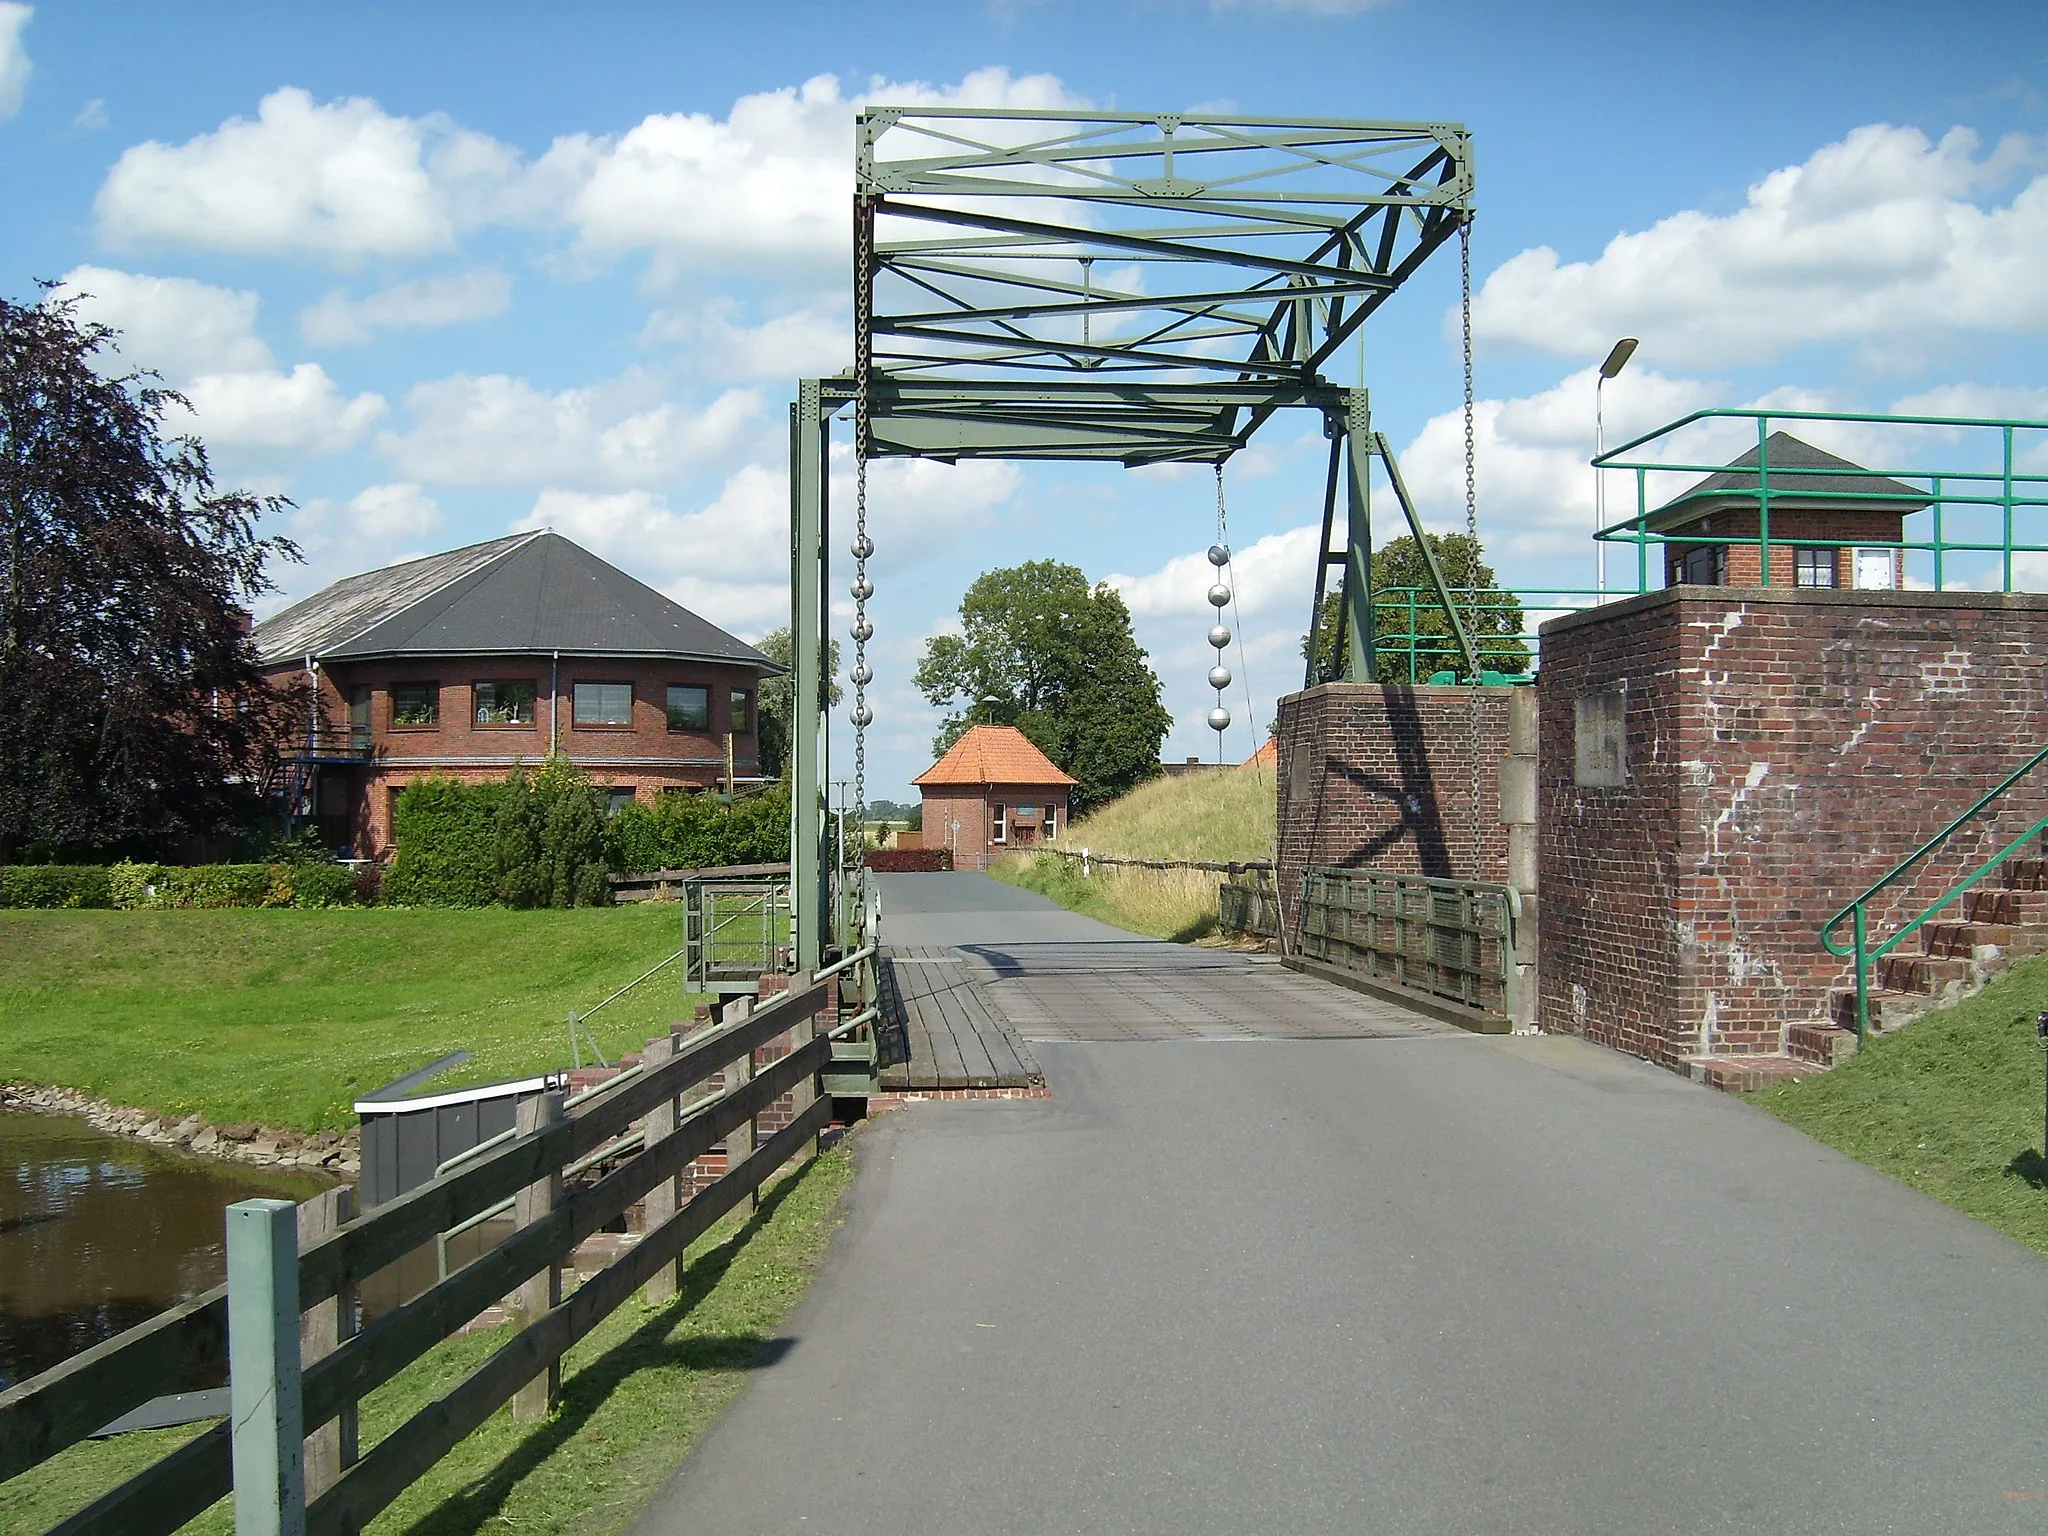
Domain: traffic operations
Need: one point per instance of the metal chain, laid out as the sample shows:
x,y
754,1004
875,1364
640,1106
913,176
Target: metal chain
x,y
1465,295
863,343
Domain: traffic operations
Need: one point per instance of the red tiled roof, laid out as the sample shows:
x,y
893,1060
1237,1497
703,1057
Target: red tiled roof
x,y
993,754
1267,756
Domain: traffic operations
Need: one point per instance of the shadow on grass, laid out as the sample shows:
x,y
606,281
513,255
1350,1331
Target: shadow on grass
x,y
647,1347
2031,1166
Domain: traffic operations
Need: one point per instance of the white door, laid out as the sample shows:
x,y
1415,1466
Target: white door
x,y
1876,570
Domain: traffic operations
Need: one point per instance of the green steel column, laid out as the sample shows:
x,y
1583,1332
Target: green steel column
x,y
1359,628
808,571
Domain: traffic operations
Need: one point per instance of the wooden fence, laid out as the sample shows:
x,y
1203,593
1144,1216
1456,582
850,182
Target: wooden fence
x,y
296,1411
668,884
1089,860
1250,909
1450,939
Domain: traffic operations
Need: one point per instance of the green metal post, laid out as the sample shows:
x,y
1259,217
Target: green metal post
x,y
263,1368
1763,496
809,564
1862,980
1642,541
1361,631
2008,508
1937,535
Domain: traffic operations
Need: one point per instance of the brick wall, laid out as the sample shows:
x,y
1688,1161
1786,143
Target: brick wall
x,y
1381,775
1782,749
1846,527
960,817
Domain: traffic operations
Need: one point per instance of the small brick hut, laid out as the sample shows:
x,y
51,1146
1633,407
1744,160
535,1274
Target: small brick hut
x,y
992,792
1834,501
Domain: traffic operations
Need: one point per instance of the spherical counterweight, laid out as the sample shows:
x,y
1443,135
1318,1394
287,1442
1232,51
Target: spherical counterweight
x,y
1219,596
1219,678
1219,719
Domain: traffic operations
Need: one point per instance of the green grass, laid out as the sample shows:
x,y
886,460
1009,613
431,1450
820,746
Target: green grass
x,y
1216,818
1951,1105
285,1017
636,1394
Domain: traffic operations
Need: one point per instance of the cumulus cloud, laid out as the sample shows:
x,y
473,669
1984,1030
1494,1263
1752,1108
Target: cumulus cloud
x,y
338,320
1271,575
801,343
301,412
1884,235
377,526
14,65
498,430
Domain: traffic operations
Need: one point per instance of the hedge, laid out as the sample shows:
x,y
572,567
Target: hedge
x,y
909,860
164,885
698,832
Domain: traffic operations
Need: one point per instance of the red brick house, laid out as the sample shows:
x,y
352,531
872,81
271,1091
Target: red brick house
x,y
993,792
471,662
1842,505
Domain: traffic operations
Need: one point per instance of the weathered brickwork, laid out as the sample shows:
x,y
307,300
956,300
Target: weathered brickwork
x,y
1391,777
1783,750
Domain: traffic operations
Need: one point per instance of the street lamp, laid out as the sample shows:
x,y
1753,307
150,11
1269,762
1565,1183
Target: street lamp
x,y
1617,359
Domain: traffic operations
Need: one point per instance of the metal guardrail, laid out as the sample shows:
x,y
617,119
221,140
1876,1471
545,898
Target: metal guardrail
x,y
275,1404
736,931
1452,939
1859,951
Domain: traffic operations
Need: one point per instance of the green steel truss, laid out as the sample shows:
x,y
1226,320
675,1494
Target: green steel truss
x,y
1127,288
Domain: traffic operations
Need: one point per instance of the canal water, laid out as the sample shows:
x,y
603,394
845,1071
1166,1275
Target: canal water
x,y
100,1232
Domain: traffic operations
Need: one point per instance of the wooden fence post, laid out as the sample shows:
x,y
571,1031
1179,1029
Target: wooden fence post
x,y
263,1368
739,1141
331,1448
663,1199
543,1292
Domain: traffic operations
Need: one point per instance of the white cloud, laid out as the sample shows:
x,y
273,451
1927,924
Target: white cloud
x,y
14,64
497,430
802,343
338,320
394,513
377,526
93,115
1271,575
301,412
1881,237
174,325
338,180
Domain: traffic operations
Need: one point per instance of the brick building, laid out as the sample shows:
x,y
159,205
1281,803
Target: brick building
x,y
991,793
1828,507
471,662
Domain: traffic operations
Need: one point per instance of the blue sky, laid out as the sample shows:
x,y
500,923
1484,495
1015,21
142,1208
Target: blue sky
x,y
438,272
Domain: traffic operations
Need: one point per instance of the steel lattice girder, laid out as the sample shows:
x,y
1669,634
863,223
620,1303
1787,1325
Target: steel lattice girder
x,y
1118,268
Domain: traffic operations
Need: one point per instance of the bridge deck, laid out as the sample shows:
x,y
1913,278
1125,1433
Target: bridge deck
x,y
945,1034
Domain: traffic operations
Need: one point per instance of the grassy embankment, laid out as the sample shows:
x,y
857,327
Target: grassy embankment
x,y
1215,817
284,1018
636,1394
1951,1105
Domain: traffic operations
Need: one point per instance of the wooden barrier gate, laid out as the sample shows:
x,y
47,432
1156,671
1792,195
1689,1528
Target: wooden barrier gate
x,y
299,1366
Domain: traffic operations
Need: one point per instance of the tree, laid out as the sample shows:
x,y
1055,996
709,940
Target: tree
x,y
1042,650
132,709
1414,637
778,696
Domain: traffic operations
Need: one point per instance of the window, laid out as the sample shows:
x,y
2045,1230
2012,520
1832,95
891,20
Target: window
x,y
689,708
617,797
1814,567
1877,570
1052,822
503,703
359,708
415,705
1704,565
998,832
742,712
604,704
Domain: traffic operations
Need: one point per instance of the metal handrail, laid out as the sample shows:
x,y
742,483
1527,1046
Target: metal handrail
x,y
1856,914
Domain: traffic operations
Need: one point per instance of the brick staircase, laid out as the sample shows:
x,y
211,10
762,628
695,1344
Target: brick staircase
x,y
1960,949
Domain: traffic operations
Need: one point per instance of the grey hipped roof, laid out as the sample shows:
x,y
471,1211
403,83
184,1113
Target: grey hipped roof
x,y
1736,486
529,594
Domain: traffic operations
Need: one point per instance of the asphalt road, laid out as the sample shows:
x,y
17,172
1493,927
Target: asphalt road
x,y
1420,1282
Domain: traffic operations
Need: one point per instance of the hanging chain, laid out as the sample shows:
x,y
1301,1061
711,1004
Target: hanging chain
x,y
863,589
1465,304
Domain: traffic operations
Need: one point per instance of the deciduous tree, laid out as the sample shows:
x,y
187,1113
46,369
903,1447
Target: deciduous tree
x,y
778,696
132,711
1412,630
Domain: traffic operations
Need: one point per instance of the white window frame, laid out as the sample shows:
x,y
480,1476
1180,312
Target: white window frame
x,y
1052,820
998,826
1864,558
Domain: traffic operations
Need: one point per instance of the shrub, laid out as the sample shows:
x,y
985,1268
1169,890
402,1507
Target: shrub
x,y
369,883
551,840
55,885
909,860
221,885
130,884
698,832
447,836
321,885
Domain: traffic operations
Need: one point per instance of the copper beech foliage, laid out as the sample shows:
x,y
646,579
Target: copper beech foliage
x,y
132,712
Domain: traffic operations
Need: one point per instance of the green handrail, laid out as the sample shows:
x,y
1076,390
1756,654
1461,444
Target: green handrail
x,y
1855,913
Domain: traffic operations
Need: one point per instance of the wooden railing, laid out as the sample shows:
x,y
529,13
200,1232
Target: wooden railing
x,y
1249,909
278,1405
1450,939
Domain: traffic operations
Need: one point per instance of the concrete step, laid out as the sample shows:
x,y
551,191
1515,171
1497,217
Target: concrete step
x,y
2013,908
1925,974
1888,1010
1744,1074
1964,941
1821,1042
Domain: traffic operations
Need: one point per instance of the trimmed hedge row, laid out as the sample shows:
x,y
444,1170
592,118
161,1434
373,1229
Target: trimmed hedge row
x,y
909,860
168,885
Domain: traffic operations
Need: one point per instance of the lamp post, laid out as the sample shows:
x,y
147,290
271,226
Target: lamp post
x,y
1617,359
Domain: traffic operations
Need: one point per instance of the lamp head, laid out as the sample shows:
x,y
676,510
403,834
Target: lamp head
x,y
1617,359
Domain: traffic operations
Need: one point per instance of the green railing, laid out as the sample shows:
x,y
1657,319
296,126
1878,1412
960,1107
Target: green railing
x,y
1856,913
1416,646
1973,505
